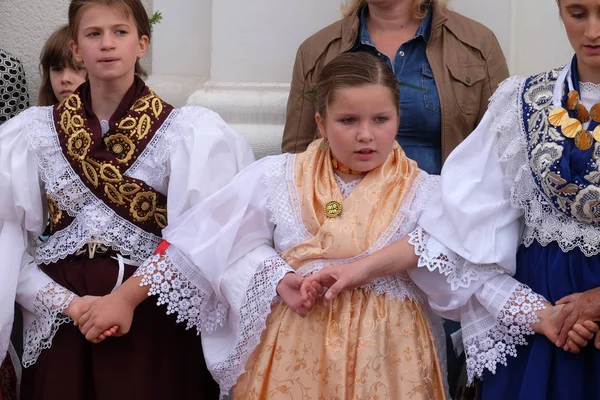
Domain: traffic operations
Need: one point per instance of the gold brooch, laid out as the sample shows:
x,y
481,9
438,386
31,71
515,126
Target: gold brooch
x,y
333,209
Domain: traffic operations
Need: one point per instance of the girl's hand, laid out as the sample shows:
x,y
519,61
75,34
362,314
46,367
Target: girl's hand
x,y
110,315
580,335
288,289
551,319
79,306
337,278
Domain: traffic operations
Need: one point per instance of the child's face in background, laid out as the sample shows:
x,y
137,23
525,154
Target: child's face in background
x,y
65,80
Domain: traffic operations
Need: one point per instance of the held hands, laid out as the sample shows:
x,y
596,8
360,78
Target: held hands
x,y
79,306
552,319
110,315
580,311
301,294
337,278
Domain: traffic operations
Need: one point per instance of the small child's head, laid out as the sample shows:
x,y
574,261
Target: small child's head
x,y
357,104
61,74
109,37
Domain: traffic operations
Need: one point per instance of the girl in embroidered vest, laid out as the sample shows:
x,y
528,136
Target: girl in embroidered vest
x,y
520,196
101,166
61,73
236,262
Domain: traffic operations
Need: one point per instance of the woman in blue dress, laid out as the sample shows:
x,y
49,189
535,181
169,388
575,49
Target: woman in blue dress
x,y
520,196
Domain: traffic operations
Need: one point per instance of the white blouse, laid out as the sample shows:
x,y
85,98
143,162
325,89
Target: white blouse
x,y
193,154
488,205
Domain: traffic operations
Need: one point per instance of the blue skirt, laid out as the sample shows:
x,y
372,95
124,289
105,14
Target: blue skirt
x,y
541,371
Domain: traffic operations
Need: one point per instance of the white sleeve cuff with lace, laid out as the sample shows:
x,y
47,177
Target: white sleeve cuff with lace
x,y
48,316
255,308
496,311
194,302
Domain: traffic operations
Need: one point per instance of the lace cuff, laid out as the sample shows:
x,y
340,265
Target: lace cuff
x,y
490,339
434,256
195,303
49,305
256,307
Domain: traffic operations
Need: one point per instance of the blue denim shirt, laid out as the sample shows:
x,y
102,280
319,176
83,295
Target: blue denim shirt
x,y
420,128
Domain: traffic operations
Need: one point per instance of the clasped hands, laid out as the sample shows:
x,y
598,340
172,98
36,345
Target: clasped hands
x,y
570,324
101,317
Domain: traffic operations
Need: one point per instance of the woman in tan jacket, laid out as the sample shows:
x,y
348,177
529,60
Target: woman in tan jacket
x,y
447,67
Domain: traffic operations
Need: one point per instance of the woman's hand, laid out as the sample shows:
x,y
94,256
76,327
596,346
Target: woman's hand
x,y
551,319
578,308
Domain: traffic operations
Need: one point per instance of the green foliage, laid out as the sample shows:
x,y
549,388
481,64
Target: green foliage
x,y
155,18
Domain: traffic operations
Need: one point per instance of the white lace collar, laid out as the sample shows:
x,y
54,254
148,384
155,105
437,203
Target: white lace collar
x,y
589,93
347,188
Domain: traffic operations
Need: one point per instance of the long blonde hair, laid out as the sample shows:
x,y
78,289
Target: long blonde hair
x,y
350,7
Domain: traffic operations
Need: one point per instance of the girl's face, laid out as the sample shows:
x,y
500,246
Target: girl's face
x,y
582,23
108,43
361,126
65,80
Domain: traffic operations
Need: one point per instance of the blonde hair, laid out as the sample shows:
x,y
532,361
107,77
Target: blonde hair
x,y
133,8
351,7
55,53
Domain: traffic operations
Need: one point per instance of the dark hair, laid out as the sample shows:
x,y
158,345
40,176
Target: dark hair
x,y
351,70
135,8
55,53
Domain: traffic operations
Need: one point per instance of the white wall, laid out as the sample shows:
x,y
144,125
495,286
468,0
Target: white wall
x,y
24,27
236,56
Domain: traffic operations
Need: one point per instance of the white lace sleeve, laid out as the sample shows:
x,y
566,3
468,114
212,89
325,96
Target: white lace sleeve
x,y
22,217
49,305
472,214
495,310
251,317
194,302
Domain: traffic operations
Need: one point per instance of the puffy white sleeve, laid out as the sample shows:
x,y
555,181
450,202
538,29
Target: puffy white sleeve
x,y
22,219
468,237
220,271
205,159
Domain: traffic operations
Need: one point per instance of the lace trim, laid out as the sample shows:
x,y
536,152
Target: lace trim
x,y
433,255
492,331
542,222
93,219
261,294
499,333
196,305
49,304
152,165
347,188
399,286
279,179
589,90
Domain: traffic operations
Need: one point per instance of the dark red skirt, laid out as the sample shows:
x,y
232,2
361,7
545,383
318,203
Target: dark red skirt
x,y
157,360
8,380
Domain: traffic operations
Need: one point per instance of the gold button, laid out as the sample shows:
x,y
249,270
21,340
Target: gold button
x,y
333,209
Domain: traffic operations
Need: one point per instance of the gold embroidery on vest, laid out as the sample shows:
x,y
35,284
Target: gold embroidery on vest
x,y
54,210
142,205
